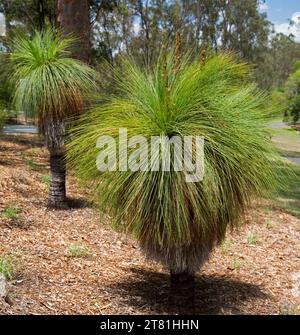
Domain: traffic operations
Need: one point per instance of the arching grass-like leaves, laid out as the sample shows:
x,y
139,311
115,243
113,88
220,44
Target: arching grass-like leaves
x,y
49,83
177,222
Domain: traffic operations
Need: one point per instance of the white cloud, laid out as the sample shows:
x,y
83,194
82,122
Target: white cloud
x,y
263,7
287,29
2,25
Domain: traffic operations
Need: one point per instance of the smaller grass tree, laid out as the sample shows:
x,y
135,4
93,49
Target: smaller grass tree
x,y
51,86
175,222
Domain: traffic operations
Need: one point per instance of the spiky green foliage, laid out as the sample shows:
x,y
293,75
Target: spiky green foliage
x,y
49,83
177,222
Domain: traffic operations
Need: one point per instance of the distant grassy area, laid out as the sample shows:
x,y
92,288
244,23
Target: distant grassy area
x,y
289,198
288,142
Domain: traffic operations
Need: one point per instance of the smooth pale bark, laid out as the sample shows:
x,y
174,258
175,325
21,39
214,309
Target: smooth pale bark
x,y
57,191
73,18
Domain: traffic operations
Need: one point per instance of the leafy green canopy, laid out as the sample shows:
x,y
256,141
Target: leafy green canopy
x,y
48,82
292,92
182,97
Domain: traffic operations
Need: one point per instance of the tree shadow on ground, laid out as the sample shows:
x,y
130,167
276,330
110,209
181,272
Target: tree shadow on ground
x,y
29,141
11,155
78,203
213,294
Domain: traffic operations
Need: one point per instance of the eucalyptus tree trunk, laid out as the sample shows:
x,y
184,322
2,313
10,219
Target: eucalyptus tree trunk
x,y
73,17
57,192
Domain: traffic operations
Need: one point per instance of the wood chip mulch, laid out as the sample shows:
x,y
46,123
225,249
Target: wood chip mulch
x,y
255,271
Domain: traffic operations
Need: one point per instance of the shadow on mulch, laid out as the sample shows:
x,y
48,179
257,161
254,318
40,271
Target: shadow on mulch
x,y
72,203
31,141
213,294
77,203
20,223
4,162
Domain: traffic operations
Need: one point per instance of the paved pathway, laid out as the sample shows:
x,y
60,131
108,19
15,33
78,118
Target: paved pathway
x,y
20,129
294,159
278,125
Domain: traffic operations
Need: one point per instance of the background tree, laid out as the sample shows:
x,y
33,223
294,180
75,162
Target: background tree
x,y
292,92
294,108
277,63
73,17
142,28
6,87
146,26
30,14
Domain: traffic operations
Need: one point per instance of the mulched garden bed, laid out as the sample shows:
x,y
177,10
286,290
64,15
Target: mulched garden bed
x,y
255,271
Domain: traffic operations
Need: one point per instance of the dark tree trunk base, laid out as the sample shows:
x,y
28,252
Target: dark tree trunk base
x,y
57,191
182,292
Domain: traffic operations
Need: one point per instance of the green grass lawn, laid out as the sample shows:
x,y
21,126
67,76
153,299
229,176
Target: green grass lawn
x,y
288,142
289,198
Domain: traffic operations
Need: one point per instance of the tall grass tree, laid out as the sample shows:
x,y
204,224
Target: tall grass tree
x,y
175,222
52,87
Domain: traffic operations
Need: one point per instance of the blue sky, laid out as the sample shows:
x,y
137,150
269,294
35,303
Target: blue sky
x,y
280,11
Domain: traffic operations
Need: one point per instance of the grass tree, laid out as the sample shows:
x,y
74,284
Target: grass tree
x,y
50,86
176,222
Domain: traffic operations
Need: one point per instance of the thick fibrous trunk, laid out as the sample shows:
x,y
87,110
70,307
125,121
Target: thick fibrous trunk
x,y
57,192
182,292
73,18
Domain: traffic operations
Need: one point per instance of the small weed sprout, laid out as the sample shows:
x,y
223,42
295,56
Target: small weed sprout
x,y
225,246
236,264
46,180
32,165
11,213
252,238
78,251
7,267
270,224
